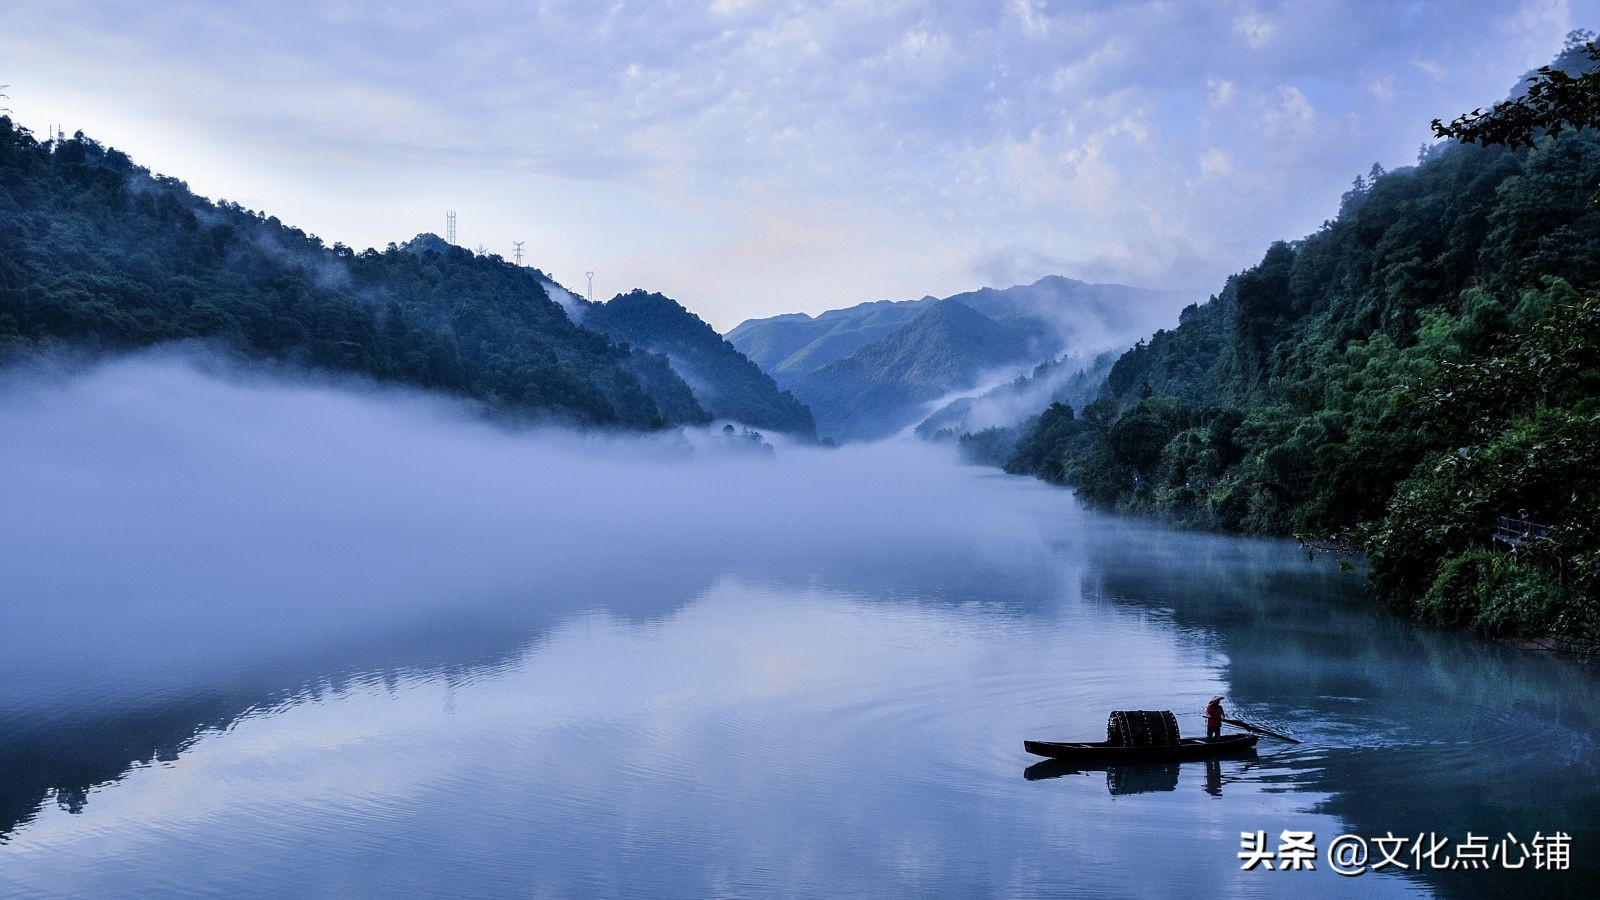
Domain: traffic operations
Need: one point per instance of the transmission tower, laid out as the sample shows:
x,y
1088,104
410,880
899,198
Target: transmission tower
x,y
450,227
516,252
590,276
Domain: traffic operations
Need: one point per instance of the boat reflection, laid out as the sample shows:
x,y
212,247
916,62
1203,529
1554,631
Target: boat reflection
x,y
1123,779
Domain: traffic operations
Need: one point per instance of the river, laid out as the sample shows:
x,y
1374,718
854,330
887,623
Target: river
x,y
318,642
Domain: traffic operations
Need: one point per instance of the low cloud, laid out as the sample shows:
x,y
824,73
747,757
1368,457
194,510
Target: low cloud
x,y
170,514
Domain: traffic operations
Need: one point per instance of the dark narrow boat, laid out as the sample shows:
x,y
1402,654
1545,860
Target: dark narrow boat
x,y
1107,752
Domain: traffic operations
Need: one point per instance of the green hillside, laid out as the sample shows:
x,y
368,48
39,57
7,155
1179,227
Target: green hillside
x,y
1422,365
724,381
791,345
99,255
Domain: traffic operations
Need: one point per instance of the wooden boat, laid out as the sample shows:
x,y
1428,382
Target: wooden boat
x,y
1107,752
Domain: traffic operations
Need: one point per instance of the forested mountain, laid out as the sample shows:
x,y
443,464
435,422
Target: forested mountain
x,y
1422,365
1054,311
724,381
99,255
858,386
796,343
1066,312
884,386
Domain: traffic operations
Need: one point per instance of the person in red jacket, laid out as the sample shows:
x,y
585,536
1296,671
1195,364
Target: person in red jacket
x,y
1214,718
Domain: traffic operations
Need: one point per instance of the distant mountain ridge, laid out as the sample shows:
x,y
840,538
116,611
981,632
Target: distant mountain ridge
x,y
882,387
870,370
798,343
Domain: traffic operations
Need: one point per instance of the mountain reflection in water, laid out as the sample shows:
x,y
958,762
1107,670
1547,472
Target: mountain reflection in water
x,y
816,683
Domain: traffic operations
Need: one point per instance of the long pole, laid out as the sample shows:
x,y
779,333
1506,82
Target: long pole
x,y
1259,730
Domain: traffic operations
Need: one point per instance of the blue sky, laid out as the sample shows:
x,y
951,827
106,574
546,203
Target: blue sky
x,y
753,157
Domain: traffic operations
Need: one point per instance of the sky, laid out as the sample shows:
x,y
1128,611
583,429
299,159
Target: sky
x,y
750,158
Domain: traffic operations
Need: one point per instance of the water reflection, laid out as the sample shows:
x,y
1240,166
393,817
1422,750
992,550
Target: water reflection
x,y
819,688
759,729
188,547
1407,730
1120,779
1135,778
71,724
1138,777
764,726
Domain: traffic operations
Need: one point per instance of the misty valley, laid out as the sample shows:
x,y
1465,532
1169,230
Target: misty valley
x,y
303,633
964,384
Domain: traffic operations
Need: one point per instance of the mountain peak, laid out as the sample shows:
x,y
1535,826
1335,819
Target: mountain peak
x,y
724,381
947,343
950,310
426,241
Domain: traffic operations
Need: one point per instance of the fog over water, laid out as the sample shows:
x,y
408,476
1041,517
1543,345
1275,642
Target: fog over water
x,y
277,635
241,503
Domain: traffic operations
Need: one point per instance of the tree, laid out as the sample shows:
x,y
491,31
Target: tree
x,y
1554,101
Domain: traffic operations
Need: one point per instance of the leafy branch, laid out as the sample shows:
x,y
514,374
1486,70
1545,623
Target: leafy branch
x,y
1554,102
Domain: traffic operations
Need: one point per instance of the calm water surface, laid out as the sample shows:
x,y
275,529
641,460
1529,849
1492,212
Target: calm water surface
x,y
777,715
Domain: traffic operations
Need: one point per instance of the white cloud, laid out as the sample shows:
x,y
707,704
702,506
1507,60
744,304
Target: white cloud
x,y
1082,73
1221,92
689,148
1383,87
1532,19
1215,162
1030,14
1431,69
1255,30
1285,111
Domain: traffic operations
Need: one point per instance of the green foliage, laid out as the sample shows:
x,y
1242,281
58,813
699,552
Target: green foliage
x,y
1494,593
1042,449
1423,364
1293,376
1520,430
97,253
1552,102
727,384
989,447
